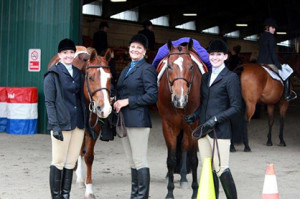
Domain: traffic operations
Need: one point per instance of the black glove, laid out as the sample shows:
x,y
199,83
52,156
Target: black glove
x,y
211,123
190,119
58,135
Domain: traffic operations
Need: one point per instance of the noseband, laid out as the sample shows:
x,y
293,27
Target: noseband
x,y
92,107
189,83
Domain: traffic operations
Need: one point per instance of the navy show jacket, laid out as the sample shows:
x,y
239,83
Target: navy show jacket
x,y
140,87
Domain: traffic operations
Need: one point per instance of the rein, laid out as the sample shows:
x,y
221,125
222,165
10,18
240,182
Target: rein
x,y
170,83
92,103
198,133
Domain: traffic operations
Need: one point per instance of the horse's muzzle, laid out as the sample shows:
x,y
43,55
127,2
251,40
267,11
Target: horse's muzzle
x,y
179,102
103,112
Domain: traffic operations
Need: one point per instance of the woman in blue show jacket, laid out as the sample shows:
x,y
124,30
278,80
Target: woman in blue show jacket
x,y
220,101
136,89
66,111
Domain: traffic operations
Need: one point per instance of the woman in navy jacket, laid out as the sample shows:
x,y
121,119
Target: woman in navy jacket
x,y
66,111
136,90
220,101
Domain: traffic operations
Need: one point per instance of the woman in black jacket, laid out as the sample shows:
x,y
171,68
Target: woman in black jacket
x,y
136,90
220,101
66,111
267,54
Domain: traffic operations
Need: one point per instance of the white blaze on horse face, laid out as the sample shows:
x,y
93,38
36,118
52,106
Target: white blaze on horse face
x,y
179,62
104,77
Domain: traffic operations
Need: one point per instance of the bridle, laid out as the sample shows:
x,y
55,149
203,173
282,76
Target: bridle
x,y
189,83
92,106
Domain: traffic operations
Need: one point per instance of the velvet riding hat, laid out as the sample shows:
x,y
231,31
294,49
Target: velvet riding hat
x,y
218,46
140,38
66,44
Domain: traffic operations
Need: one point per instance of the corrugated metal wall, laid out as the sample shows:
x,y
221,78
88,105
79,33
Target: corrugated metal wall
x,y
27,24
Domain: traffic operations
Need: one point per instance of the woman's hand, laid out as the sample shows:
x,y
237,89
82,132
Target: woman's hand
x,y
120,103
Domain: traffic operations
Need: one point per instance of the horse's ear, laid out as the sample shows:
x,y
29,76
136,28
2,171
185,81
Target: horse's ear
x,y
170,45
93,53
107,54
190,45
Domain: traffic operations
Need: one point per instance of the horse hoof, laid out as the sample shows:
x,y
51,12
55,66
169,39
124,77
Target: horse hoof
x,y
90,196
282,144
232,148
170,196
80,184
269,144
247,149
184,185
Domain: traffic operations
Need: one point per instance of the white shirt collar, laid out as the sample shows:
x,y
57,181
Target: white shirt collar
x,y
69,68
218,69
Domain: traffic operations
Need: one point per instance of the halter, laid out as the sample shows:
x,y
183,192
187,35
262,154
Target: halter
x,y
170,83
92,106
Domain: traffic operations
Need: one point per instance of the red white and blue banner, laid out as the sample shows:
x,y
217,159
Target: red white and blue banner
x,y
18,110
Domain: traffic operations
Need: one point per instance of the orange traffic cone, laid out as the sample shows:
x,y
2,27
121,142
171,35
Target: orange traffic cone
x,y
270,190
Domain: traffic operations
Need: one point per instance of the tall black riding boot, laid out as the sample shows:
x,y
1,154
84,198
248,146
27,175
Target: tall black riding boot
x,y
55,182
287,93
228,184
143,183
66,183
216,184
134,183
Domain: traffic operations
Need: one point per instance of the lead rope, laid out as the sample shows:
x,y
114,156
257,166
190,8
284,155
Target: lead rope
x,y
122,128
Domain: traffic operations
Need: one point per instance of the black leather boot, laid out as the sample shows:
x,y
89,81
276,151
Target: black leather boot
x,y
287,93
55,182
66,183
228,184
216,184
143,183
134,183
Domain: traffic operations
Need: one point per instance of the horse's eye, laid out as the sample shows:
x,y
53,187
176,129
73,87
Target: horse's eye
x,y
192,67
91,78
169,67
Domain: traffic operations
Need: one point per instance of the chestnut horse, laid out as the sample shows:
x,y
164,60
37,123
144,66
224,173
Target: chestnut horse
x,y
179,95
259,87
97,94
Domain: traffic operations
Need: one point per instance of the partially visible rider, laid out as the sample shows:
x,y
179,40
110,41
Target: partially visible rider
x,y
267,54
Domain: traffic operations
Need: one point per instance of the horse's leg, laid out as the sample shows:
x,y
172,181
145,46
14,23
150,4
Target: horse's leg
x,y
250,109
282,110
183,163
79,169
193,147
270,123
170,138
89,158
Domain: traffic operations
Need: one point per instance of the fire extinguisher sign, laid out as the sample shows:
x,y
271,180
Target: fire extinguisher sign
x,y
34,60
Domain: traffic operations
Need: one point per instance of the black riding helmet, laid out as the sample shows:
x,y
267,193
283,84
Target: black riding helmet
x,y
270,22
217,46
140,38
66,44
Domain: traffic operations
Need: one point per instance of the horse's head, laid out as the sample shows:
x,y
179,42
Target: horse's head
x,y
180,73
97,84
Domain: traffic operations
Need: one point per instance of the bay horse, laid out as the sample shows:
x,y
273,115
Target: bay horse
x,y
178,96
259,87
97,77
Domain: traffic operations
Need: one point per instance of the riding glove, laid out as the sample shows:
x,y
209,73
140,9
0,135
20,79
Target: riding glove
x,y
211,123
190,119
58,135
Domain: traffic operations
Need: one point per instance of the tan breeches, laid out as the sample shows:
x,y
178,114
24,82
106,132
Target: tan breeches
x,y
65,153
136,146
205,145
